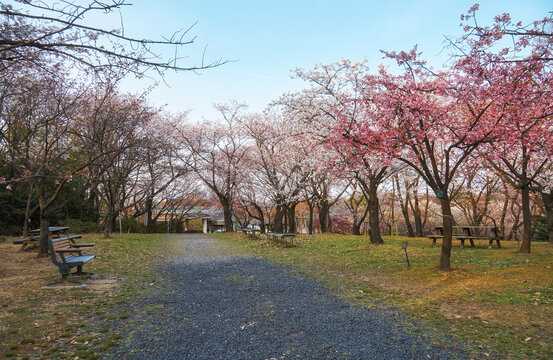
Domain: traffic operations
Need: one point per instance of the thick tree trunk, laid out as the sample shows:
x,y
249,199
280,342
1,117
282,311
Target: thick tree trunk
x,y
277,219
292,218
355,226
445,256
374,213
151,224
526,220
227,213
260,217
324,215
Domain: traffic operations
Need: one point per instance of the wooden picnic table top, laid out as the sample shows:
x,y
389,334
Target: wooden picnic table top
x,y
51,229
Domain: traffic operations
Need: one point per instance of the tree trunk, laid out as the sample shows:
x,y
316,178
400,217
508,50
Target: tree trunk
x,y
324,211
404,206
292,218
227,213
28,212
526,220
374,212
547,199
108,224
358,222
445,256
44,223
277,219
504,211
310,225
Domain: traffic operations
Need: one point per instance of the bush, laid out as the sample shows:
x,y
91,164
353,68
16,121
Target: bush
x,y
130,225
79,226
539,224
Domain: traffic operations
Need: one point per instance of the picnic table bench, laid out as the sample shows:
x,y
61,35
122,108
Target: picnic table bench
x,y
471,233
65,256
251,231
286,239
54,232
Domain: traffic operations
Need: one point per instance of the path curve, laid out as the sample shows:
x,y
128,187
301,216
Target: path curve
x,y
221,306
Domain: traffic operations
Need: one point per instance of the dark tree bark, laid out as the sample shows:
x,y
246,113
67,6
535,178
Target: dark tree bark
x,y
292,218
227,214
370,191
526,220
310,224
324,214
547,199
445,256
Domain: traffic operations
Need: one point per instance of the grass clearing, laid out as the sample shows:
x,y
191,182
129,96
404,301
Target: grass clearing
x,y
495,299
70,323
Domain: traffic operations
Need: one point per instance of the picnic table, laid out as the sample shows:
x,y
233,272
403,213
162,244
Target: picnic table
x,y
251,231
471,233
54,232
286,239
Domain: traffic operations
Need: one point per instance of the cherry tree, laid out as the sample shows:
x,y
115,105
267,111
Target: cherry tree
x,y
215,151
37,119
431,122
280,161
34,29
335,96
514,62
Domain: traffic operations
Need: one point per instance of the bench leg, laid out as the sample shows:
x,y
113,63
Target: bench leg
x,y
462,243
471,242
80,271
433,241
498,243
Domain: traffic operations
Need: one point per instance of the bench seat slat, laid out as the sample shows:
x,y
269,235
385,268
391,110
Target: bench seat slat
x,y
80,259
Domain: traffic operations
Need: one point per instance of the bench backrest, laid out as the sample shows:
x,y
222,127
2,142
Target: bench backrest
x,y
55,244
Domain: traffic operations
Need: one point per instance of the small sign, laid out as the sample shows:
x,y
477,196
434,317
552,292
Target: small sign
x,y
404,245
440,194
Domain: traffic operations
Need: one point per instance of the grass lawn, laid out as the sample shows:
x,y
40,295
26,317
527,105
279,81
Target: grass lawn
x,y
497,301
72,323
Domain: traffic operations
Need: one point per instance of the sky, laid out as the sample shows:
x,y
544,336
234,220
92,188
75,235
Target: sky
x,y
265,40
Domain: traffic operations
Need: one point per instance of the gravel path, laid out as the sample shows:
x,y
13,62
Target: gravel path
x,y
219,306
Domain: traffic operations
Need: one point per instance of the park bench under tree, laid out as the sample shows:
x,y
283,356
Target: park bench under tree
x,y
66,256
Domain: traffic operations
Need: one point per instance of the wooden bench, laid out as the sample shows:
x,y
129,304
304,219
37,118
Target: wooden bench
x,y
286,239
65,256
471,233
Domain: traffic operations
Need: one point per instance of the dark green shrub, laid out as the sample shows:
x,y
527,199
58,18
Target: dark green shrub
x,y
539,224
79,226
131,225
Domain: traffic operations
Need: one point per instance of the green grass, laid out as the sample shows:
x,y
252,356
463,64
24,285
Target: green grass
x,y
495,298
76,322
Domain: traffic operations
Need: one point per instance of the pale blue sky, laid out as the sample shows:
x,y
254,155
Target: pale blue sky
x,y
270,38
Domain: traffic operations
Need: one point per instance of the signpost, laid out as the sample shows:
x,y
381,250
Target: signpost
x,y
404,247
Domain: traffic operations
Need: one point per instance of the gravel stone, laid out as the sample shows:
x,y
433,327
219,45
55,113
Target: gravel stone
x,y
220,306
